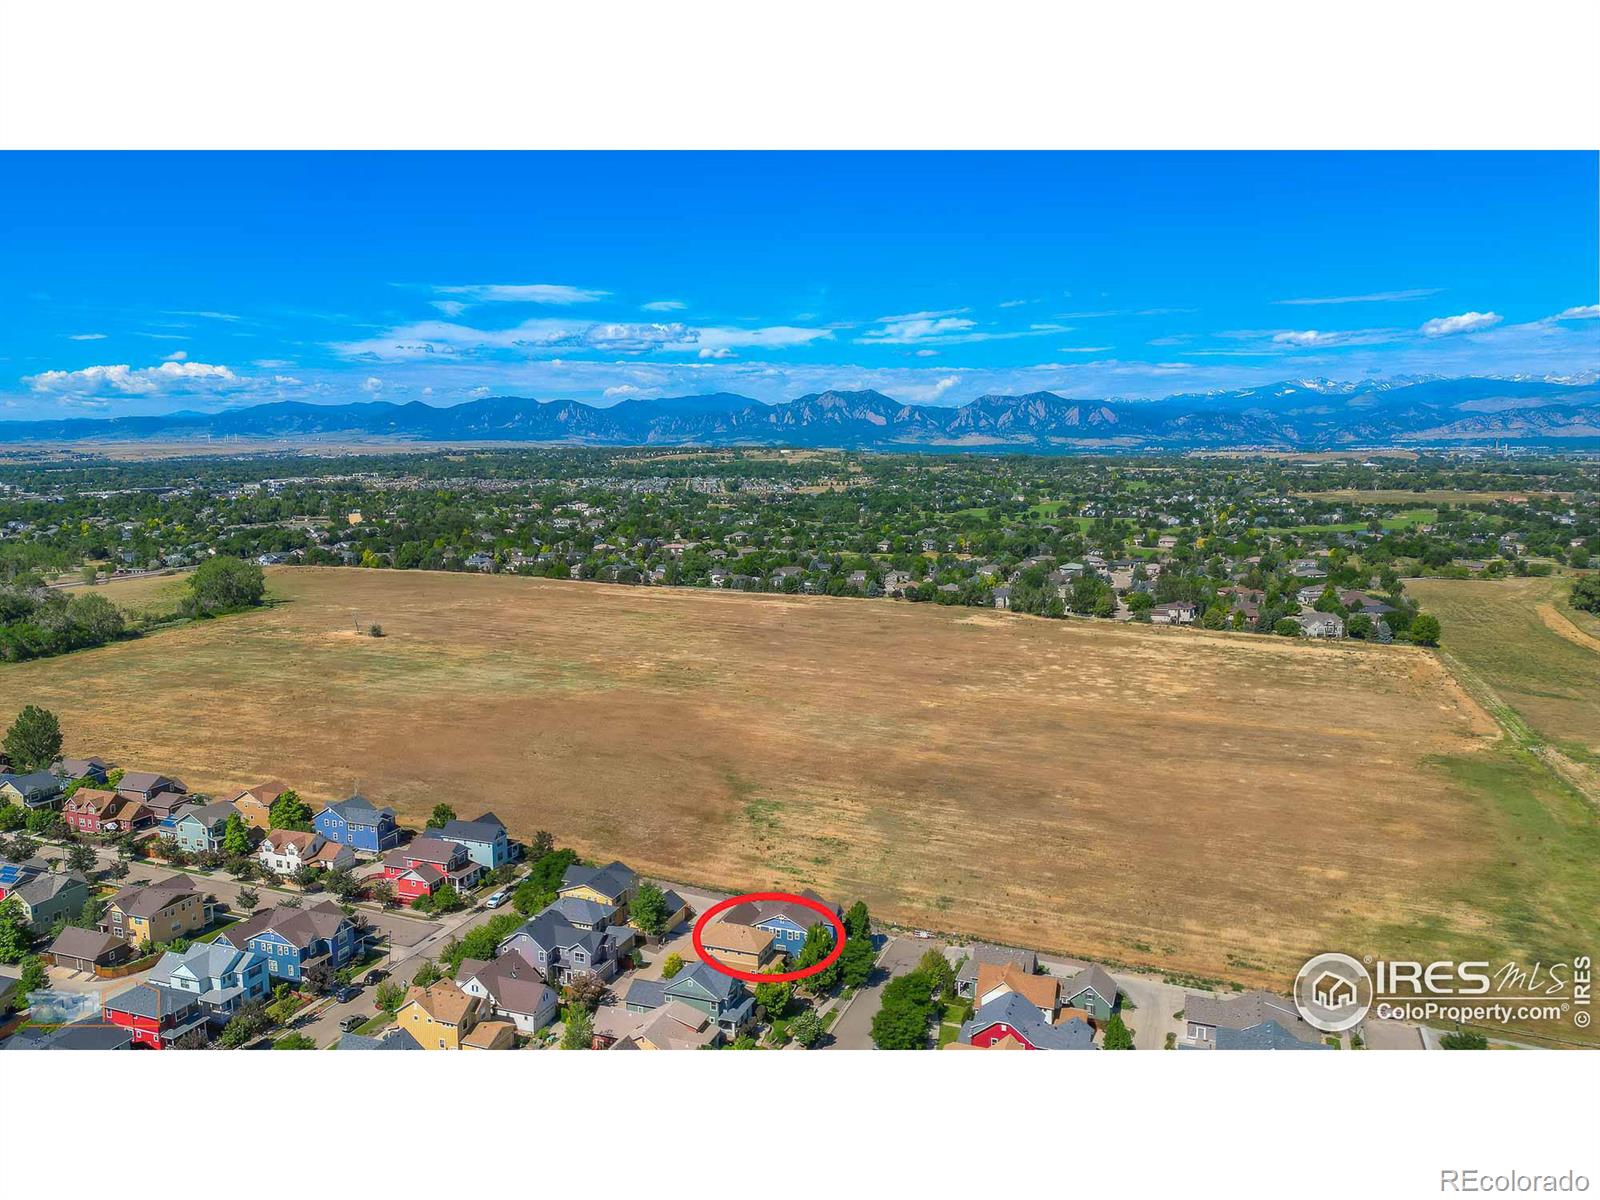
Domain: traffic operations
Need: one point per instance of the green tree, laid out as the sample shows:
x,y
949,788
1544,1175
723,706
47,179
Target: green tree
x,y
235,835
939,973
1117,1035
807,1029
33,976
902,1019
95,619
248,899
441,816
1425,629
223,585
427,974
1462,1040
1586,591
81,858
288,811
773,998
649,908
671,965
1287,628
294,1041
389,997
249,1023
16,940
817,946
578,1029
34,740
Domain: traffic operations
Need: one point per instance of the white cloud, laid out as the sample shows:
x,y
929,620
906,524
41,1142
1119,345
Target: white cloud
x,y
1585,312
717,352
925,353
372,384
85,337
523,293
916,327
1016,303
124,380
1367,298
1305,337
286,381
622,389
176,356
208,314
664,306
1466,322
768,337
450,308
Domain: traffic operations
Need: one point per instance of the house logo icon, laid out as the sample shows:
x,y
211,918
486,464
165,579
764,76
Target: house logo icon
x,y
1333,992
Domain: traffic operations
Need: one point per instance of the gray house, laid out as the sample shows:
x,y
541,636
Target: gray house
x,y
1092,991
38,789
561,950
46,895
999,956
1205,1017
721,997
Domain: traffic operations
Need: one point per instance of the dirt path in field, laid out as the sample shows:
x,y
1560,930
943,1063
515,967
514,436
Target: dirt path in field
x,y
1561,625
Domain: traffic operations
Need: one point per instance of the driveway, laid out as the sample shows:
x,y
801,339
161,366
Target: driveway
x,y
853,1029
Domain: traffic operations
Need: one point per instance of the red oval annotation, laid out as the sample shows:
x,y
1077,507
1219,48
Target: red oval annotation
x,y
820,909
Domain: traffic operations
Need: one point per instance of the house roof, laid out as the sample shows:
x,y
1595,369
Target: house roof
x,y
358,810
297,926
281,839
206,962
47,886
1092,976
1017,1012
424,849
723,987
1039,990
443,1001
144,781
97,800
77,768
676,1026
486,828
551,931
579,911
742,939
209,814
147,899
73,942
91,1033
611,880
982,952
754,912
151,1000
389,1039
262,793
512,981
35,783
1244,1010
485,1034
1268,1035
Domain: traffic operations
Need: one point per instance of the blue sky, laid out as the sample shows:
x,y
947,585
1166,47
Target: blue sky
x,y
137,283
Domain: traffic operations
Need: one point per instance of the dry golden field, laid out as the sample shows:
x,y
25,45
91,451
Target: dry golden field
x,y
1213,804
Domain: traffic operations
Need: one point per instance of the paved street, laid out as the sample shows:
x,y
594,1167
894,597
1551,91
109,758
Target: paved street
x,y
853,1030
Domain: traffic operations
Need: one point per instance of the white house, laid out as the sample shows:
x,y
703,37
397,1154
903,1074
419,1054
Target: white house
x,y
285,851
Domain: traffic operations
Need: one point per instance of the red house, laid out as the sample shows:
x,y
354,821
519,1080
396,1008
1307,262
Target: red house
x,y
424,866
153,1015
1011,1017
95,810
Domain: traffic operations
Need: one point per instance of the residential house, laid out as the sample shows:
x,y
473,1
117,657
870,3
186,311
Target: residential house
x,y
255,804
91,1033
38,789
146,785
787,921
559,950
1002,597
359,824
443,1017
1092,991
96,810
721,997
673,1026
426,865
1011,1016
1175,612
165,808
1320,625
154,1016
1205,1016
95,769
294,940
998,979
223,979
611,884
896,582
46,895
980,954
485,840
742,947
583,914
77,949
285,851
156,913
199,828
511,988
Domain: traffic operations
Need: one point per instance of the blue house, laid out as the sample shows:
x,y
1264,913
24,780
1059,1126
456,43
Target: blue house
x,y
358,824
786,921
485,840
293,940
201,828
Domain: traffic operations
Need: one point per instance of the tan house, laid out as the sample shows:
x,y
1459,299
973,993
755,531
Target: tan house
x,y
255,804
157,912
742,946
443,1017
676,1026
996,979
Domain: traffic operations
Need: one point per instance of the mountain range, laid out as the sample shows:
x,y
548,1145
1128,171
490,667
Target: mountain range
x,y
1300,414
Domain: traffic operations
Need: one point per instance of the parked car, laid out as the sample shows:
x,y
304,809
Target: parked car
x,y
347,993
375,976
353,1022
499,898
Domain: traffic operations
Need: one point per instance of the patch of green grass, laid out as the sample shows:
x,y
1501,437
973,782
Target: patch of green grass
x,y
378,1023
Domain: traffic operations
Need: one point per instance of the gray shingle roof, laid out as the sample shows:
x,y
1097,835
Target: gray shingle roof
x,y
486,828
1268,1035
1015,1011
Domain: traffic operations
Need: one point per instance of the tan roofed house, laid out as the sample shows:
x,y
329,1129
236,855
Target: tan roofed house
x,y
741,946
996,979
255,804
443,1017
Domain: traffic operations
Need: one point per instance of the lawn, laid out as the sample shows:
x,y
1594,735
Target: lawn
x,y
1166,797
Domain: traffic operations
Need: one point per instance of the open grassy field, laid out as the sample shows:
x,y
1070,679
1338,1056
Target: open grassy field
x,y
1214,804
1433,496
1536,653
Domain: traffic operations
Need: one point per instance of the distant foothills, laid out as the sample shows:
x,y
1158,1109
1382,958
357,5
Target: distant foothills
x,y
1302,414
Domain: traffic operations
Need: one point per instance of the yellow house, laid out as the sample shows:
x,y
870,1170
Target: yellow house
x,y
255,804
157,912
443,1017
742,946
